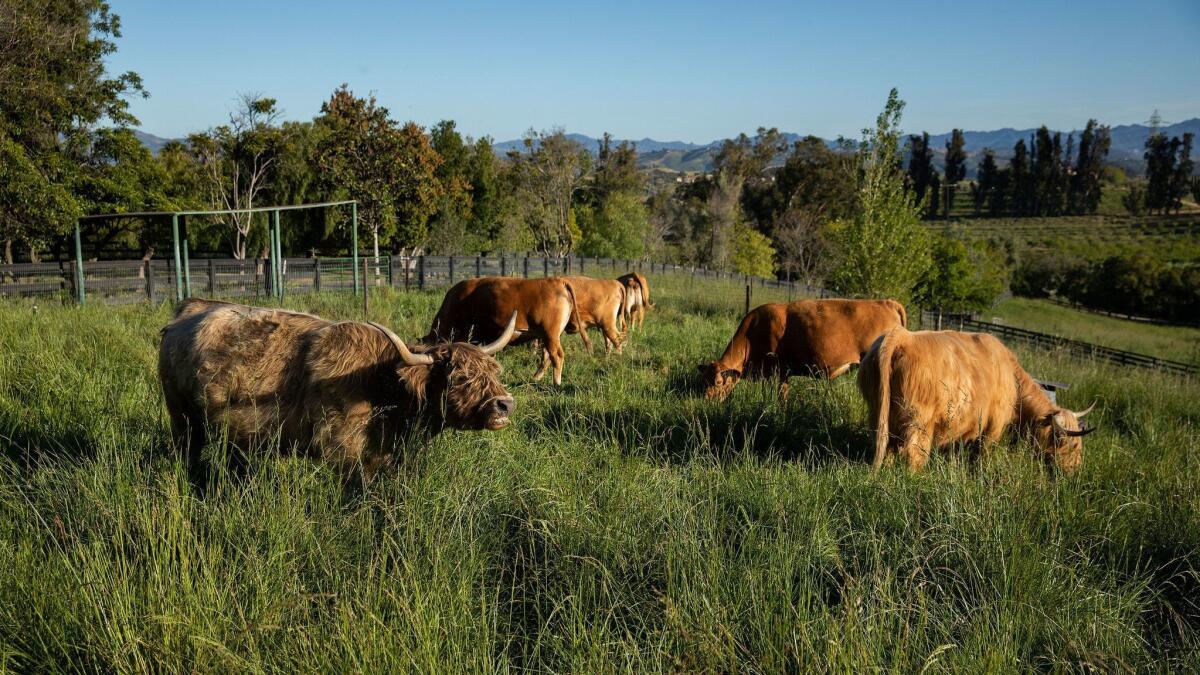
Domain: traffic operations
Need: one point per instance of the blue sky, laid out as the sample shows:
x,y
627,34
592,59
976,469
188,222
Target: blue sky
x,y
692,71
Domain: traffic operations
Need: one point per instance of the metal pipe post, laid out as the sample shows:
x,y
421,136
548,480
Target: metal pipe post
x,y
78,264
354,244
187,272
175,241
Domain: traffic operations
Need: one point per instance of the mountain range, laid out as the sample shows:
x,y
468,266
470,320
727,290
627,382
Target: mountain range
x,y
1128,141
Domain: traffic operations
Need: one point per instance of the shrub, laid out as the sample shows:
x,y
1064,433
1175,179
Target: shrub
x,y
752,252
962,277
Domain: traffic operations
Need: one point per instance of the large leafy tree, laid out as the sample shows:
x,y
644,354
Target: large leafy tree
x,y
546,174
389,169
238,162
883,250
54,90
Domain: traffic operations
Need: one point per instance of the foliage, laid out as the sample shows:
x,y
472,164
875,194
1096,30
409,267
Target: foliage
x,y
1134,200
545,176
956,166
963,276
883,251
752,252
922,177
616,229
389,169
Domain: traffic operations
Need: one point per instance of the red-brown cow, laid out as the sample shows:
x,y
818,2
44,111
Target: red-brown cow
x,y
821,338
928,389
599,302
340,391
477,309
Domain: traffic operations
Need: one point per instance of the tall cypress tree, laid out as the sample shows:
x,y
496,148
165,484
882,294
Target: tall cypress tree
x,y
1182,177
983,193
1160,168
956,166
1020,181
1084,190
920,169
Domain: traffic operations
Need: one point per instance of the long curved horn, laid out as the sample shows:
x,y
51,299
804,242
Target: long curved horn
x,y
1089,409
509,330
1060,429
409,358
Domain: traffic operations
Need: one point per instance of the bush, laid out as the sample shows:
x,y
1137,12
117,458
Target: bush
x,y
962,277
616,229
1134,201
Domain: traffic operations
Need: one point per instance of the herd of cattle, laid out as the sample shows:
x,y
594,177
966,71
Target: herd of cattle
x,y
348,391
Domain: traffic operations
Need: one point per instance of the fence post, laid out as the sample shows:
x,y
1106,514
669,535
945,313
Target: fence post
x,y
391,271
421,272
175,237
478,266
526,267
366,292
407,261
316,274
78,265
747,299
212,277
354,245
503,266
149,280
451,270
187,271
582,265
545,266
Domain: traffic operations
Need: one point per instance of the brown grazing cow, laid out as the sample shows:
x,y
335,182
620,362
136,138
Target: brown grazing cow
x,y
820,338
600,302
637,299
928,389
476,309
340,391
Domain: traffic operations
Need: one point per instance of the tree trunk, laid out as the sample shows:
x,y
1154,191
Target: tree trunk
x,y
33,254
145,258
8,254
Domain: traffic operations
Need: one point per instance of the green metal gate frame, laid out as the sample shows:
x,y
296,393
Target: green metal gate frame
x,y
183,281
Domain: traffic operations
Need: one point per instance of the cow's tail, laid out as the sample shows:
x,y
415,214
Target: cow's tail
x,y
882,353
900,309
619,319
645,292
575,318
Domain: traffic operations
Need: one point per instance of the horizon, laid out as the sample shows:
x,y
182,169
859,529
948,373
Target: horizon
x,y
678,72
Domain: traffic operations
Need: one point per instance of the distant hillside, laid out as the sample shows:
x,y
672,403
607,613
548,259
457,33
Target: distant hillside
x,y
154,143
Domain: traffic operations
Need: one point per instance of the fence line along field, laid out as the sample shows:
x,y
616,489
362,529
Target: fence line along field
x,y
621,522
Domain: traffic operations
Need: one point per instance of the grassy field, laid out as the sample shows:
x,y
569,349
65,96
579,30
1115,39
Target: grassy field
x,y
1179,343
621,523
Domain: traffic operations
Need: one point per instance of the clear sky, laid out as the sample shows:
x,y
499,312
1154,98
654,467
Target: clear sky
x,y
693,71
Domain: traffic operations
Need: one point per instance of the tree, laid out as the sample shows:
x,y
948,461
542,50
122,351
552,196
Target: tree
x,y
1181,178
237,160
1085,182
984,191
814,179
54,90
801,244
752,252
546,174
962,277
956,166
390,170
883,250
1160,168
616,228
738,161
921,174
1020,195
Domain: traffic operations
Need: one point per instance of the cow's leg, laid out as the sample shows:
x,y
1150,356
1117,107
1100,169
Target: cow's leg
x,y
556,355
641,316
545,363
612,339
914,449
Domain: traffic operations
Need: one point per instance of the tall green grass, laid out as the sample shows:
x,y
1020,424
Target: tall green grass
x,y
621,523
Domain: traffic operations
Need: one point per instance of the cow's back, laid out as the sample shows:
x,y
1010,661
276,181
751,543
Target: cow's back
x,y
234,365
961,384
834,332
481,307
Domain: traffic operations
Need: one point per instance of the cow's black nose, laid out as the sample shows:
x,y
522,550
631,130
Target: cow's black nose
x,y
504,405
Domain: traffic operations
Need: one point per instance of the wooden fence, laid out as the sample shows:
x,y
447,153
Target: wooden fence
x,y
967,322
126,281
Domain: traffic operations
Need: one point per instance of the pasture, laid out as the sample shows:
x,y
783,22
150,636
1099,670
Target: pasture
x,y
621,523
1178,343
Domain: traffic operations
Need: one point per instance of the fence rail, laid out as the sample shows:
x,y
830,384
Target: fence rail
x,y
1048,341
127,281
